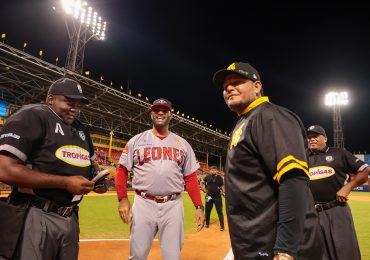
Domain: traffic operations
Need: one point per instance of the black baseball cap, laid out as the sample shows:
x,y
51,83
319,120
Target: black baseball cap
x,y
161,102
240,68
316,129
68,88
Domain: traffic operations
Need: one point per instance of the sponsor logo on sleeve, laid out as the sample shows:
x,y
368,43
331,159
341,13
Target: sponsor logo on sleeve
x,y
74,155
15,136
321,172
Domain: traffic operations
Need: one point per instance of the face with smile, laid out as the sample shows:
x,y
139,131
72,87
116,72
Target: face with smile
x,y
65,108
316,142
239,92
161,117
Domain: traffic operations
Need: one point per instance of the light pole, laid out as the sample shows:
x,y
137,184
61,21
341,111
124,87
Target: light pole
x,y
337,99
82,25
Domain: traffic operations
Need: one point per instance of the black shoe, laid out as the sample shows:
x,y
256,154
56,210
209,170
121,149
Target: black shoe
x,y
206,226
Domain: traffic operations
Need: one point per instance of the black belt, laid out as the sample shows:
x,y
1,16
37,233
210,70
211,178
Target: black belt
x,y
158,199
50,206
44,204
320,206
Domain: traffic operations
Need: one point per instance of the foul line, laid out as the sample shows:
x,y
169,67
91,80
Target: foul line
x,y
106,239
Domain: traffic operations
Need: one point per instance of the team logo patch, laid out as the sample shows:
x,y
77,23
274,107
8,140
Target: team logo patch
x,y
82,135
329,158
321,172
74,155
231,66
236,136
125,151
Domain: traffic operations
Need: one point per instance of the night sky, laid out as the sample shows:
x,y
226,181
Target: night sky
x,y
172,48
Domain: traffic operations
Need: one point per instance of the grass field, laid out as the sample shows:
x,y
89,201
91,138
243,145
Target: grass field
x,y
361,217
99,218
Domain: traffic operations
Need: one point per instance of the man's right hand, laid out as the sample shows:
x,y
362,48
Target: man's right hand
x,y
78,185
124,210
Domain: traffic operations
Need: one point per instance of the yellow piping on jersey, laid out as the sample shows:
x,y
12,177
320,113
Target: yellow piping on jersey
x,y
289,167
288,158
254,104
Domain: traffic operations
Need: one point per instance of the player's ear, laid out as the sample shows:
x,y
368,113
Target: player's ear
x,y
50,100
258,88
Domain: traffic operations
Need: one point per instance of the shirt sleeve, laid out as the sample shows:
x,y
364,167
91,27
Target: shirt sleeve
x,y
280,139
22,133
190,164
354,164
127,157
292,210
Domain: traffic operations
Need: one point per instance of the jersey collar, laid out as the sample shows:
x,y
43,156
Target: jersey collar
x,y
254,104
324,150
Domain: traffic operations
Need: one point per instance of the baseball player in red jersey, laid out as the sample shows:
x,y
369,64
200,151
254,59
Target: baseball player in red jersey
x,y
161,162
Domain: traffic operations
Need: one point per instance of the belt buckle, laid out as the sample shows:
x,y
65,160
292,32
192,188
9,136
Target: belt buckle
x,y
165,198
65,212
161,199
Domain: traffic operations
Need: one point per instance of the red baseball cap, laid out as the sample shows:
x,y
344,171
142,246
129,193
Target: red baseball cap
x,y
161,102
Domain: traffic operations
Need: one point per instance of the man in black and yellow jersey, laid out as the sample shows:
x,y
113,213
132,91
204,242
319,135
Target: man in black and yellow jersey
x,y
330,184
269,206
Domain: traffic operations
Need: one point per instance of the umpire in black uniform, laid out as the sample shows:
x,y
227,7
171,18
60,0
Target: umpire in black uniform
x,y
214,187
46,155
330,170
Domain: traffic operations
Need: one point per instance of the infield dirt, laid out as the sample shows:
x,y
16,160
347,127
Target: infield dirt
x,y
208,244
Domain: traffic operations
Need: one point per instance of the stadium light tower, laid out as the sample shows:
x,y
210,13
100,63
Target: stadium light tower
x,y
83,24
336,100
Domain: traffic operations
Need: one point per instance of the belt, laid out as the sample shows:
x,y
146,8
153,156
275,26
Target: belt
x,y
44,204
158,199
320,206
50,206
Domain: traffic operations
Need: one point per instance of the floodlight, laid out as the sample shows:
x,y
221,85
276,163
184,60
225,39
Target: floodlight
x,y
336,98
85,24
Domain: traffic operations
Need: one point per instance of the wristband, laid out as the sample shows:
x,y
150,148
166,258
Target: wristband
x,y
199,207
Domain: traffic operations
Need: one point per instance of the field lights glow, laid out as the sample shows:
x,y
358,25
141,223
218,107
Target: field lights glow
x,y
85,15
336,98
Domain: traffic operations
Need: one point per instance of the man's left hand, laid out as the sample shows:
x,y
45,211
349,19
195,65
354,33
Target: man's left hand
x,y
342,194
199,219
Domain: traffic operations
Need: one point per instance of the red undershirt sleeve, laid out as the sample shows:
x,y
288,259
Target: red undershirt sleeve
x,y
192,186
121,182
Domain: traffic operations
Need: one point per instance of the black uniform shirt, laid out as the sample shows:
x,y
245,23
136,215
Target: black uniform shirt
x,y
213,185
266,142
329,171
37,136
